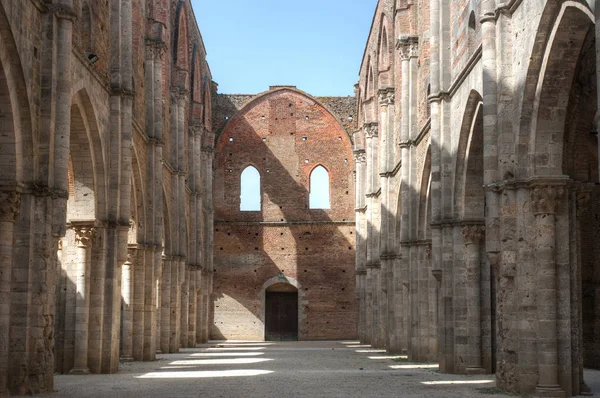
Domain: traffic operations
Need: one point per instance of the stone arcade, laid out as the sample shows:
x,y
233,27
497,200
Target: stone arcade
x,y
474,232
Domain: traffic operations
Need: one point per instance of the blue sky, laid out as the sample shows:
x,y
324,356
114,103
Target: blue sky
x,y
316,45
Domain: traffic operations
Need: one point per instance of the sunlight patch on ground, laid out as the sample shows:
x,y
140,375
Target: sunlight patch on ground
x,y
227,354
389,357
415,366
448,382
359,346
242,344
205,374
368,351
234,348
225,361
350,342
178,367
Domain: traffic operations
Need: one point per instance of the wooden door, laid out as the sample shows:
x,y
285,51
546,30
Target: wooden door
x,y
281,316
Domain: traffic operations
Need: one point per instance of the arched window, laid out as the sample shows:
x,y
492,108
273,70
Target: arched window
x,y
319,189
250,198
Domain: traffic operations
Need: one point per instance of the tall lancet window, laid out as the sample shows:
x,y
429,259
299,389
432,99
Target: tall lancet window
x,y
250,198
319,189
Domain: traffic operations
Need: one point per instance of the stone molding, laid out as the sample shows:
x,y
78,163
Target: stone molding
x,y
10,203
360,156
546,199
473,234
361,272
373,265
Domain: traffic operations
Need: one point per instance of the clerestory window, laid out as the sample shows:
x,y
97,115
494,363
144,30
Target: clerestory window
x,y
250,196
319,189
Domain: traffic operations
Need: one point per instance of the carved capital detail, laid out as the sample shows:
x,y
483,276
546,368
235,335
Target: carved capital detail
x,y
387,96
360,156
84,235
545,199
408,47
473,234
9,206
371,130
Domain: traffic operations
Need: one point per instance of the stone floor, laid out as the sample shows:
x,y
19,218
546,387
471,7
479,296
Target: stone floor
x,y
299,369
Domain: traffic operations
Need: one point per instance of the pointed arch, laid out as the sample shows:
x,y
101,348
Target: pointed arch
x,y
424,190
180,47
563,28
468,177
250,190
18,158
384,47
319,190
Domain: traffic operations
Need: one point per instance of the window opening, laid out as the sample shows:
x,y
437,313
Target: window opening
x,y
319,189
250,196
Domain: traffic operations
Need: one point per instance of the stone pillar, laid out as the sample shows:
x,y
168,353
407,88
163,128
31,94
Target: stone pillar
x,y
165,306
361,241
84,233
175,306
158,276
184,313
9,209
149,304
139,280
127,289
544,202
192,307
473,235
199,307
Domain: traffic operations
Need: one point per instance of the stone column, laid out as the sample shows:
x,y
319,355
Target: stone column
x,y
9,209
149,304
158,275
139,280
473,236
127,312
544,202
184,312
84,233
165,306
199,308
192,307
175,306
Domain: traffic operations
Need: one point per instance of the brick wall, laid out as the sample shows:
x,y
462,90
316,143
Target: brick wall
x,y
284,134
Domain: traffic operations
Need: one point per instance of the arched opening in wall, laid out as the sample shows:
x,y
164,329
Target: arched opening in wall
x,y
250,190
475,271
472,32
9,159
319,197
83,246
281,312
428,104
563,142
384,51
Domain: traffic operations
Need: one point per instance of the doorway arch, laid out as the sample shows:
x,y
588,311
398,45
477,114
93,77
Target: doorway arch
x,y
283,306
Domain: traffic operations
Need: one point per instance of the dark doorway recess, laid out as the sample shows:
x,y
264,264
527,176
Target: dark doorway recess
x,y
281,316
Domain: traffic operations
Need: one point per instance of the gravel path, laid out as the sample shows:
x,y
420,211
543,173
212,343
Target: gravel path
x,y
298,369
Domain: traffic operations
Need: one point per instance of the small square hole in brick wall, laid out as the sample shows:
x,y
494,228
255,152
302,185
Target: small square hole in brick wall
x,y
256,248
305,270
226,117
345,161
304,138
230,154
230,139
262,117
307,118
281,234
264,140
306,160
347,192
344,270
256,234
290,105
217,230
351,233
306,248
282,219
339,138
282,248
268,170
350,118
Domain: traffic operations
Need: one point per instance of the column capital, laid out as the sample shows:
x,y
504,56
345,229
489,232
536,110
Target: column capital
x,y
84,233
386,96
360,156
473,234
371,130
408,47
546,198
9,206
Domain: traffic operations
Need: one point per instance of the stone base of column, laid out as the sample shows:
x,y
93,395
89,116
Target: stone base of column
x,y
476,371
549,391
585,390
80,371
126,359
159,351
